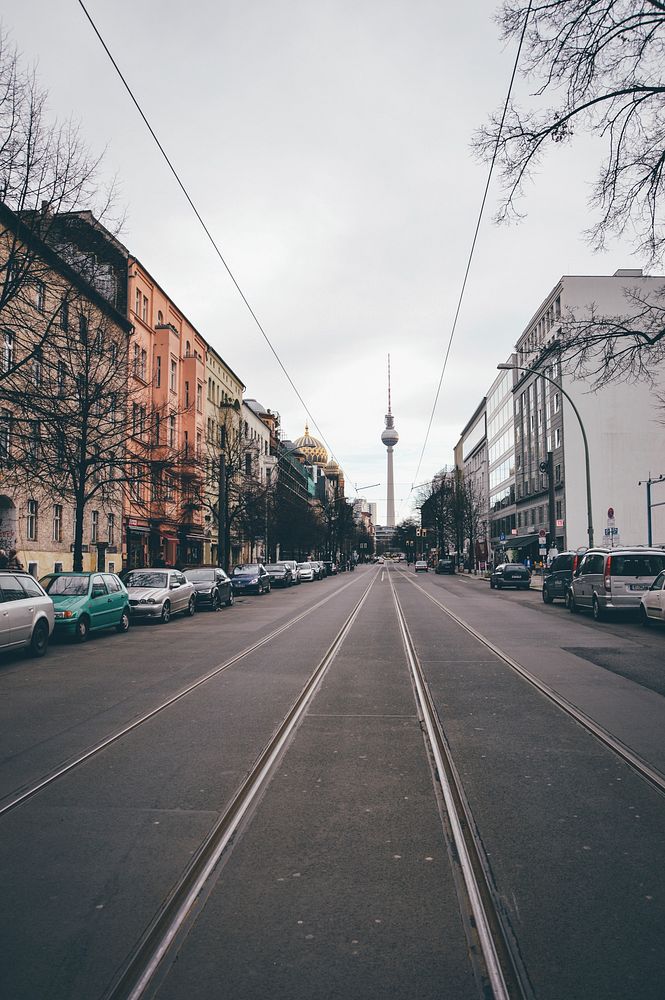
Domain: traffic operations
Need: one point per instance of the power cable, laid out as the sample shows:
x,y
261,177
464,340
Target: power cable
x,y
203,224
475,237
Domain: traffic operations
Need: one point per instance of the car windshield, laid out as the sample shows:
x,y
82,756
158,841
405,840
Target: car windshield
x,y
563,562
307,565
638,565
67,586
147,579
201,575
275,568
244,570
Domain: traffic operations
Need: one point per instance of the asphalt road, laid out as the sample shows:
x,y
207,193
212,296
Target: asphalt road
x,y
341,883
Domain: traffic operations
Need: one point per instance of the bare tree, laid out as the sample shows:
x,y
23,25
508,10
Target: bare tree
x,y
46,172
602,66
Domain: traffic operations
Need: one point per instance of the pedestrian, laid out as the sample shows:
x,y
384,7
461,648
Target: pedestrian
x,y
13,561
3,559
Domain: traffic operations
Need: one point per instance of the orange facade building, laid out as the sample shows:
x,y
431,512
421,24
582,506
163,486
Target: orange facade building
x,y
167,393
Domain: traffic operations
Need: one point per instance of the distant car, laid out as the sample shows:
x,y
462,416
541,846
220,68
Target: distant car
x,y
445,565
510,575
158,594
652,603
280,574
421,566
330,567
87,602
558,576
250,578
27,615
306,571
293,566
213,587
319,569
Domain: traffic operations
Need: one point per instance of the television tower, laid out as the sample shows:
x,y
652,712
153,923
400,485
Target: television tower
x,y
390,437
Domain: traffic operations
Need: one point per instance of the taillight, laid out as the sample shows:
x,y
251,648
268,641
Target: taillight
x,y
608,573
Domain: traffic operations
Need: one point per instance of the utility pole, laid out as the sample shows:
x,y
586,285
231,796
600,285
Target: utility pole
x,y
221,513
649,483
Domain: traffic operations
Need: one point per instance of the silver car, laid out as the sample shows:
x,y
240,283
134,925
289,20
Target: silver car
x,y
158,594
609,580
27,615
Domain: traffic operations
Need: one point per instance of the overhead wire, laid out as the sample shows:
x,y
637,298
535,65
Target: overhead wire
x,y
202,222
473,243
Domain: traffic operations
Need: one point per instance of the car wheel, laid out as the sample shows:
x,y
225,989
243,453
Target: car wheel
x,y
82,629
191,607
547,597
644,618
596,610
229,602
216,603
123,624
39,640
491,584
572,604
166,613
498,585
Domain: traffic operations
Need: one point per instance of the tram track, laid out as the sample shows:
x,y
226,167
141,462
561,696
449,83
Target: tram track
x,y
650,774
168,928
27,791
502,972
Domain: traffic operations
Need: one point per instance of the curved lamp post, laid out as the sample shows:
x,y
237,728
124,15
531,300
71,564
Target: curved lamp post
x,y
534,371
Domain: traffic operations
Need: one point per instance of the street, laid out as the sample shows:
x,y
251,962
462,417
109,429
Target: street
x,y
148,849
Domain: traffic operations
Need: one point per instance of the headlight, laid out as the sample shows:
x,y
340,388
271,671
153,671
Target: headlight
x,y
254,579
151,600
65,614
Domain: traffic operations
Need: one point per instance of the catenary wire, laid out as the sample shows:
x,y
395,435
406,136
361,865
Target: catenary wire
x,y
202,222
473,242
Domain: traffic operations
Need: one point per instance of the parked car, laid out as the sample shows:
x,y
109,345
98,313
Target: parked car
x,y
158,594
445,565
306,571
330,567
319,570
27,614
280,574
652,602
293,566
558,576
213,587
87,602
421,566
250,578
614,580
510,575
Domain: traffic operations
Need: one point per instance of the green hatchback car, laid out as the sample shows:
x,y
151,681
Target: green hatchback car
x,y
87,602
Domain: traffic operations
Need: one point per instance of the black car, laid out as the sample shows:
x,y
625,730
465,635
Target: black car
x,y
212,585
558,576
510,575
330,567
281,575
445,565
250,578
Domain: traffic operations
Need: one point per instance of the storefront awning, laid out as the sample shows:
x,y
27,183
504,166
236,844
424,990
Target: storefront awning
x,y
519,541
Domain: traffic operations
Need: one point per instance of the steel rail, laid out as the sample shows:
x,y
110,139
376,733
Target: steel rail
x,y
167,925
628,756
503,977
19,796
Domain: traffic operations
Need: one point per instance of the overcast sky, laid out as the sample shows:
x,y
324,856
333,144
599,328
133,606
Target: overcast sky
x,y
326,144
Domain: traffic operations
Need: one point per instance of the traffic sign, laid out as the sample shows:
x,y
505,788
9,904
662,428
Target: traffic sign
x,y
502,537
542,533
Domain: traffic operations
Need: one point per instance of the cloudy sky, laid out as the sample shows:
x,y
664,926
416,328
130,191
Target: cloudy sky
x,y
326,144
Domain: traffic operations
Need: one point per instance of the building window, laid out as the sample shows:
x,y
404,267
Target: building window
x,y
110,528
144,313
556,402
83,328
144,364
248,464
64,315
158,428
137,302
135,360
172,430
34,438
7,351
31,521
557,473
188,349
57,523
158,371
94,526
40,296
37,369
174,375
199,398
557,437
198,443
186,395
559,510
5,424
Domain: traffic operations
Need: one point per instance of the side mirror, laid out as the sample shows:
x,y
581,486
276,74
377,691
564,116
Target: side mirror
x,y
173,584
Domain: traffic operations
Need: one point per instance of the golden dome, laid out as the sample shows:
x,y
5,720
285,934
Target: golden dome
x,y
332,468
312,448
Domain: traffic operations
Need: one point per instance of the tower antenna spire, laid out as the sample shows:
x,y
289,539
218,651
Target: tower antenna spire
x,y
389,409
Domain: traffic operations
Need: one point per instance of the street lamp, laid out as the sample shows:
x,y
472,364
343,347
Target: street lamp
x,y
534,371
